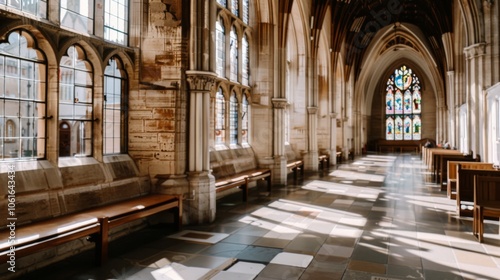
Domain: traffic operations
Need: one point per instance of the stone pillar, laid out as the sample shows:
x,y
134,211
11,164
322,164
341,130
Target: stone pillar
x,y
201,205
311,158
279,166
476,116
452,135
333,139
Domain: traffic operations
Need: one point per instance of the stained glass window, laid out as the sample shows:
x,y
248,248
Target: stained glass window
x,y
403,106
220,120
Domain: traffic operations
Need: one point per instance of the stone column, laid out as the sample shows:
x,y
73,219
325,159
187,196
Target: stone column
x,y
475,97
333,138
311,158
201,205
279,166
452,135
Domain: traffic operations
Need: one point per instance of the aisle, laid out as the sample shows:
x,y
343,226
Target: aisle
x,y
378,217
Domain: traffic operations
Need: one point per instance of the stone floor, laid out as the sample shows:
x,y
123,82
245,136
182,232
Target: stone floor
x,y
376,218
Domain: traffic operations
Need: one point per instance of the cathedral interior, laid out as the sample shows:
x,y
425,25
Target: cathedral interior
x,y
297,129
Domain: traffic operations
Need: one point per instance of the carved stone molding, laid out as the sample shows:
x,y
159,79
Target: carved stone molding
x,y
333,115
279,103
475,50
200,80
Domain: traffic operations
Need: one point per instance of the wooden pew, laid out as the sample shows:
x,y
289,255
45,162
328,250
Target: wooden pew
x,y
465,184
486,202
451,181
93,223
227,178
442,170
433,158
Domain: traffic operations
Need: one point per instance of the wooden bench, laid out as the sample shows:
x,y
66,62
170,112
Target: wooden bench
x,y
486,202
442,169
227,178
451,186
93,223
339,155
296,167
466,173
383,145
235,169
324,162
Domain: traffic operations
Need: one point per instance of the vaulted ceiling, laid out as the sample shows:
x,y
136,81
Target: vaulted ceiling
x,y
355,22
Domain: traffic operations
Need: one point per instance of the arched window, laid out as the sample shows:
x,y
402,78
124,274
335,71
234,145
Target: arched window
x,y
233,119
221,48
245,61
234,54
76,99
115,111
22,98
116,21
78,15
403,106
220,118
244,120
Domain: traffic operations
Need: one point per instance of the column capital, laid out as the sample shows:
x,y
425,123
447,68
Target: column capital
x,y
200,80
333,115
475,50
312,110
279,103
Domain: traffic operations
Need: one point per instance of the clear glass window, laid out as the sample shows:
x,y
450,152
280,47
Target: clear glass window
x,y
22,98
221,48
116,21
233,119
115,113
244,120
234,54
220,119
76,103
78,15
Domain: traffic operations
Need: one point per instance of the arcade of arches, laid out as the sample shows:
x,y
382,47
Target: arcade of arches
x,y
121,98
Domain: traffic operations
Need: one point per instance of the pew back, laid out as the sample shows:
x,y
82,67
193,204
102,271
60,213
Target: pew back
x,y
465,184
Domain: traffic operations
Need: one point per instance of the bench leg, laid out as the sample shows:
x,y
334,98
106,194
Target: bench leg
x,y
178,214
268,181
295,176
245,190
102,242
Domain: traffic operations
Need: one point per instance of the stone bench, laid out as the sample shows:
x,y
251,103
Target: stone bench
x,y
93,223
